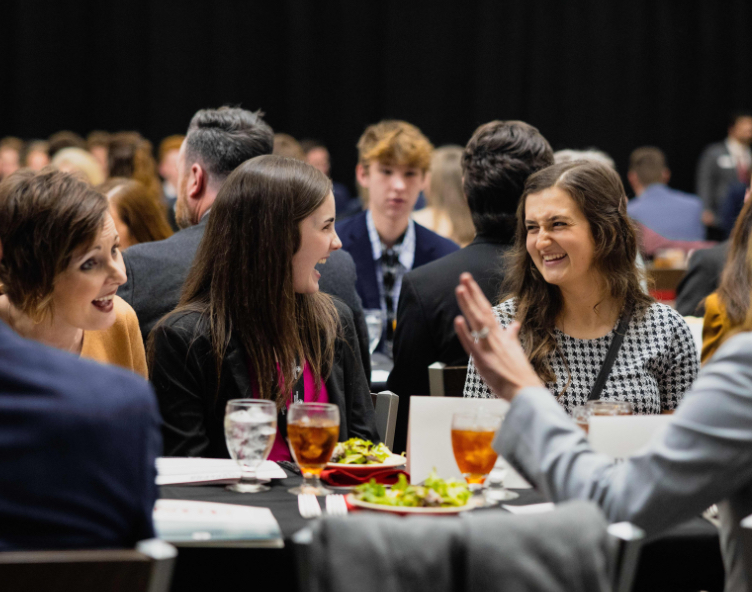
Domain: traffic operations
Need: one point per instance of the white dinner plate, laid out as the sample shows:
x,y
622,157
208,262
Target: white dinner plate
x,y
354,502
396,460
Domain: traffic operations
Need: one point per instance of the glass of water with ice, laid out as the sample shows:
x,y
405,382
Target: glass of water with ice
x,y
250,429
375,323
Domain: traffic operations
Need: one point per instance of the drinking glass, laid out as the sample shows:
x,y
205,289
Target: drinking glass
x,y
609,407
583,413
375,323
250,429
581,416
312,430
472,435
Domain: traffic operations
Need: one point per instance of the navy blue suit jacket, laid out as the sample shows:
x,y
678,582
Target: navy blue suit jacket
x,y
353,233
78,441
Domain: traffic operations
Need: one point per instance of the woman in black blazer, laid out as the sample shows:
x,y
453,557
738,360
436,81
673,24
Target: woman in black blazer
x,y
251,318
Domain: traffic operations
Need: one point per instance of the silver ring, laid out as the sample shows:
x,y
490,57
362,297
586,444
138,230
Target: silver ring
x,y
482,334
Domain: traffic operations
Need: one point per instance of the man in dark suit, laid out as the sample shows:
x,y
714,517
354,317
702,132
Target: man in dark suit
x,y
702,279
721,164
384,242
496,162
78,443
218,141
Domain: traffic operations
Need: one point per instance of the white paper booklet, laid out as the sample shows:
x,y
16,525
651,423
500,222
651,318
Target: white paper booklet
x,y
205,524
202,471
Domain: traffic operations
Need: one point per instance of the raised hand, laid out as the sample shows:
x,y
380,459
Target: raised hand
x,y
497,353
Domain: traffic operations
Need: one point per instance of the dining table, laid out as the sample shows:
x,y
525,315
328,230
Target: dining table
x,y
684,558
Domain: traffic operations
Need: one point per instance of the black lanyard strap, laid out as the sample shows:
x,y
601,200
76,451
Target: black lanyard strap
x,y
613,350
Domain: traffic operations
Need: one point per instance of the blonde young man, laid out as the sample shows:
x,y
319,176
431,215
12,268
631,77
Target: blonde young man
x,y
385,243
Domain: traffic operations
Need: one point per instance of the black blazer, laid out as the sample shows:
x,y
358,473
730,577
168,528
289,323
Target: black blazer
x,y
184,377
702,279
156,272
425,318
353,232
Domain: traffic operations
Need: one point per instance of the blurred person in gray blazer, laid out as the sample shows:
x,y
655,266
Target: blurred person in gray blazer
x,y
702,457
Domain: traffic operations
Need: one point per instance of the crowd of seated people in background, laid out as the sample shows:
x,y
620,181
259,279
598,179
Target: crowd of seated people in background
x,y
222,255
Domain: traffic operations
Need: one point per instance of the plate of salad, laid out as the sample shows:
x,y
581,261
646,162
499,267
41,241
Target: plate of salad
x,y
363,455
435,496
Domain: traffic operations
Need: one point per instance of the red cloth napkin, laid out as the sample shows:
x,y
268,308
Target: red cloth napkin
x,y
346,478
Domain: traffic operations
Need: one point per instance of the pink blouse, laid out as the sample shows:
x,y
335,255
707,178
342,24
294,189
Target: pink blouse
x,y
280,449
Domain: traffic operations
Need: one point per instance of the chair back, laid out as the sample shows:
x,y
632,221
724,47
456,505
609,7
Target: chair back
x,y
385,406
746,543
627,540
622,557
148,568
446,381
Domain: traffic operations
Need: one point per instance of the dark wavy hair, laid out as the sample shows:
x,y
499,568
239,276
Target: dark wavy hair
x,y
496,162
599,194
241,280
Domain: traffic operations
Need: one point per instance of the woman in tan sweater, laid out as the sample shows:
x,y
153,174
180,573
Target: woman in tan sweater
x,y
728,308
61,268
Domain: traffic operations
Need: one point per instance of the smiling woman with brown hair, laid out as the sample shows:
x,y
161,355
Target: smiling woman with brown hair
x,y
574,287
61,268
251,321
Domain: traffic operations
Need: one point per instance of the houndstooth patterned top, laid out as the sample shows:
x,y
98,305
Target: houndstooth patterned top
x,y
656,364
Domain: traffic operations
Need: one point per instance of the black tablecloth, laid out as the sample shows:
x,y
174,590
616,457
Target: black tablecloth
x,y
685,558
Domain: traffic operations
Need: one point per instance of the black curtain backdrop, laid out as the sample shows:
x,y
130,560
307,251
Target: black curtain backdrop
x,y
614,75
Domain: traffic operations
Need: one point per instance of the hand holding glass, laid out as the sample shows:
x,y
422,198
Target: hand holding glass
x,y
312,430
250,429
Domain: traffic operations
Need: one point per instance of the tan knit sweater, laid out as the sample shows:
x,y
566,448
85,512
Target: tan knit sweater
x,y
121,344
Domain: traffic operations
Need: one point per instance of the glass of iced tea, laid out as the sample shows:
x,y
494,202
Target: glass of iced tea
x,y
312,430
472,436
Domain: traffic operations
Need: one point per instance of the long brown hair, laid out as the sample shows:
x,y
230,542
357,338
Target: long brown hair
x,y
599,194
445,193
145,218
130,156
241,280
736,280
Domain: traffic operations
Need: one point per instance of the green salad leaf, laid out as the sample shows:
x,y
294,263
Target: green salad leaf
x,y
435,492
360,452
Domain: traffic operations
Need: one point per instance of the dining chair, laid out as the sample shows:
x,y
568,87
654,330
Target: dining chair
x,y
385,405
746,525
446,381
627,541
147,568
541,543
